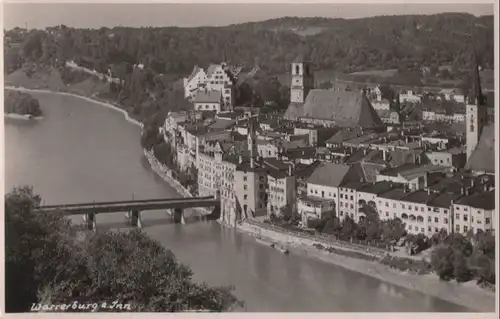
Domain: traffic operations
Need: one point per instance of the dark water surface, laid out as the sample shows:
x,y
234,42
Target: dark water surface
x,y
81,151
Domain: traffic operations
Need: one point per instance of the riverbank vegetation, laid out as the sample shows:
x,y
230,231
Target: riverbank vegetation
x,y
21,103
47,263
451,256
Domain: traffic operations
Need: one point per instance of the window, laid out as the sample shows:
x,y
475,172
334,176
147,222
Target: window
x,y
445,211
457,228
409,207
394,205
341,204
446,220
341,213
466,229
244,178
429,219
429,228
436,219
341,195
352,206
245,186
472,128
465,218
487,221
386,204
351,198
457,216
421,209
479,222
387,214
409,227
245,197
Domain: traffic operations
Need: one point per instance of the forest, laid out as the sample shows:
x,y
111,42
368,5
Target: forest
x,y
21,103
403,43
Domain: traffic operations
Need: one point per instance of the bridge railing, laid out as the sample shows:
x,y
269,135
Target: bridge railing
x,y
156,200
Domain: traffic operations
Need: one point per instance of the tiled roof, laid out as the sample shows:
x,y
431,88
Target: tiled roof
x,y
483,157
345,108
207,97
328,174
484,200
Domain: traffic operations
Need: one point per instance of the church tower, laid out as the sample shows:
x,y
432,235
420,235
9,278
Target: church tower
x,y
302,81
251,141
476,113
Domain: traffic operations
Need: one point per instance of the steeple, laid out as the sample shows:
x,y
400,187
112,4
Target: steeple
x,y
252,146
476,94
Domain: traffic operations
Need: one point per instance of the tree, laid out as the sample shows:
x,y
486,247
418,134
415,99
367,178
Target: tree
x,y
136,270
349,228
45,263
37,248
150,137
442,262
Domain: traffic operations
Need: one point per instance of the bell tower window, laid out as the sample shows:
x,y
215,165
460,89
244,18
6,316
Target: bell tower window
x,y
297,69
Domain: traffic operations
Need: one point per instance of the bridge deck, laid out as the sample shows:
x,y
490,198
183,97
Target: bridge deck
x,y
141,205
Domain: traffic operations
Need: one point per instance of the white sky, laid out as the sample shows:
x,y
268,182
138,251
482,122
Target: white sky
x,y
96,15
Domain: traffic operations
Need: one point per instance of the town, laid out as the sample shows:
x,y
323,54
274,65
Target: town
x,y
340,151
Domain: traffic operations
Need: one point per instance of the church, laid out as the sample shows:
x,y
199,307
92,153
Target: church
x,y
480,134
330,108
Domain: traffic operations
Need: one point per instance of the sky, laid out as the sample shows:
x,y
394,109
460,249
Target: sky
x,y
96,15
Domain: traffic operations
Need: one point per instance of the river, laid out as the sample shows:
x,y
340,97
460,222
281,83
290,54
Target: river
x,y
81,151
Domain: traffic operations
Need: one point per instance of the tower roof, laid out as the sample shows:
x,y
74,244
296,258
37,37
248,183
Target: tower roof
x,y
476,94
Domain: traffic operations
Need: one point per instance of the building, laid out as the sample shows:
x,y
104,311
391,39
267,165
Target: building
x,y
282,191
207,100
409,96
453,95
218,77
328,108
323,185
302,81
475,212
412,175
480,136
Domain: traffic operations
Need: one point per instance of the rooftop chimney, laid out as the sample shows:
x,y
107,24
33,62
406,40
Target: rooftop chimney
x,y
289,170
240,159
428,191
471,183
252,162
384,155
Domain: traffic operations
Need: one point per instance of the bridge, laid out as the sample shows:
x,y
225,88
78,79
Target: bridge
x,y
133,208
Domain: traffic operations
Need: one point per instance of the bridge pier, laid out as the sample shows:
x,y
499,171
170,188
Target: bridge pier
x,y
134,217
89,219
179,216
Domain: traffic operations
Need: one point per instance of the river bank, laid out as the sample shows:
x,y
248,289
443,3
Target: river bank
x,y
467,296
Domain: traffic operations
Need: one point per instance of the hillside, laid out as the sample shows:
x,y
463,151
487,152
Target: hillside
x,y
386,42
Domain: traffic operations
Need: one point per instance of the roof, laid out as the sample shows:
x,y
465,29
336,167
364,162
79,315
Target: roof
x,y
443,200
345,108
207,97
394,193
410,171
195,71
305,171
222,124
483,157
342,136
483,200
328,174
418,197
377,188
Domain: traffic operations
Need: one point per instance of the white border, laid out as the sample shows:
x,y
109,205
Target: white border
x,y
273,315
